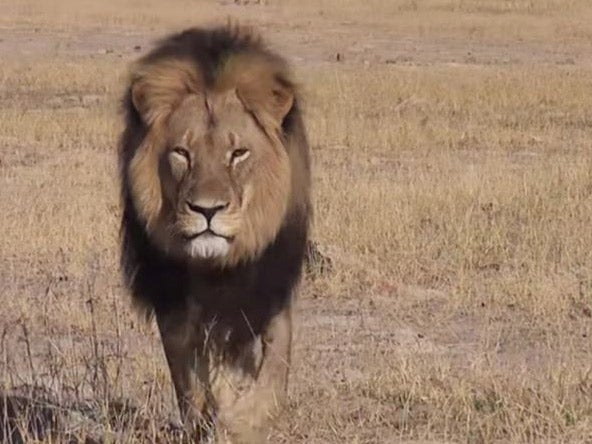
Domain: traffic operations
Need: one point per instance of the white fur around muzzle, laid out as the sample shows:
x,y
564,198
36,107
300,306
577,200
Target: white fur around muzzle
x,y
208,246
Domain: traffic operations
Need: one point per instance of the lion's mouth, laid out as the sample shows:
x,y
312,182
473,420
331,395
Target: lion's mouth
x,y
205,233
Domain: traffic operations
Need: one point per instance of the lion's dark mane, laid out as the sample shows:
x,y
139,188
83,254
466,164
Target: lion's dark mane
x,y
249,294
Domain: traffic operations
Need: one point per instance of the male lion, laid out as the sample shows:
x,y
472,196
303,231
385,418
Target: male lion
x,y
215,182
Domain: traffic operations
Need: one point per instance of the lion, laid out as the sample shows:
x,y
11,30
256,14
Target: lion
x,y
215,183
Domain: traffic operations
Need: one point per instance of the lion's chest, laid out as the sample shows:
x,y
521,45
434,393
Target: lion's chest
x,y
232,307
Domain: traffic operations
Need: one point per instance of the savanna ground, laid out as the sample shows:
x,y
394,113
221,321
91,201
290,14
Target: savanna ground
x,y
453,196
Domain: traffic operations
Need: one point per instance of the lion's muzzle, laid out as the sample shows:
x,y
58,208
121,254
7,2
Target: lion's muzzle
x,y
205,235
207,211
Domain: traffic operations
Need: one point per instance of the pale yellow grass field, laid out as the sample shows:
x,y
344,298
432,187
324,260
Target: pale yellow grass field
x,y
453,194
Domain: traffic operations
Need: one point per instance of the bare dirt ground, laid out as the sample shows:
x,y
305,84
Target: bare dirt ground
x,y
453,195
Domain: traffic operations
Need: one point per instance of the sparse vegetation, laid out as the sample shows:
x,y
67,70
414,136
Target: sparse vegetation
x,y
453,197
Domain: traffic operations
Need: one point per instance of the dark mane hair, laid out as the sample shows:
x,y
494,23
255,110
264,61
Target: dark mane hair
x,y
245,296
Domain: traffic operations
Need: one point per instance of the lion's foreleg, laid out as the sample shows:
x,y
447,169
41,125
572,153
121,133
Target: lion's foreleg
x,y
277,346
248,419
189,370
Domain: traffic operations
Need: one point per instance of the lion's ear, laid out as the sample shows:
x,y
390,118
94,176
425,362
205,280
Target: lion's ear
x,y
281,101
157,88
139,92
269,101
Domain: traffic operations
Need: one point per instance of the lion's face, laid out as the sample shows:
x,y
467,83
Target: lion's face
x,y
223,181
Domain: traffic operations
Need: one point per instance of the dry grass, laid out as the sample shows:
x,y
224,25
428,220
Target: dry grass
x,y
505,20
453,194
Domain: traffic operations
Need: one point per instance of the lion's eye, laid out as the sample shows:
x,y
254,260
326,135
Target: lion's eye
x,y
179,160
239,155
180,151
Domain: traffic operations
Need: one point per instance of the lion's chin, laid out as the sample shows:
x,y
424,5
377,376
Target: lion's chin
x,y
207,246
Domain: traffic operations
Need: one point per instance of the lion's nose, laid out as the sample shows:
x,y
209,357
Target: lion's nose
x,y
208,211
